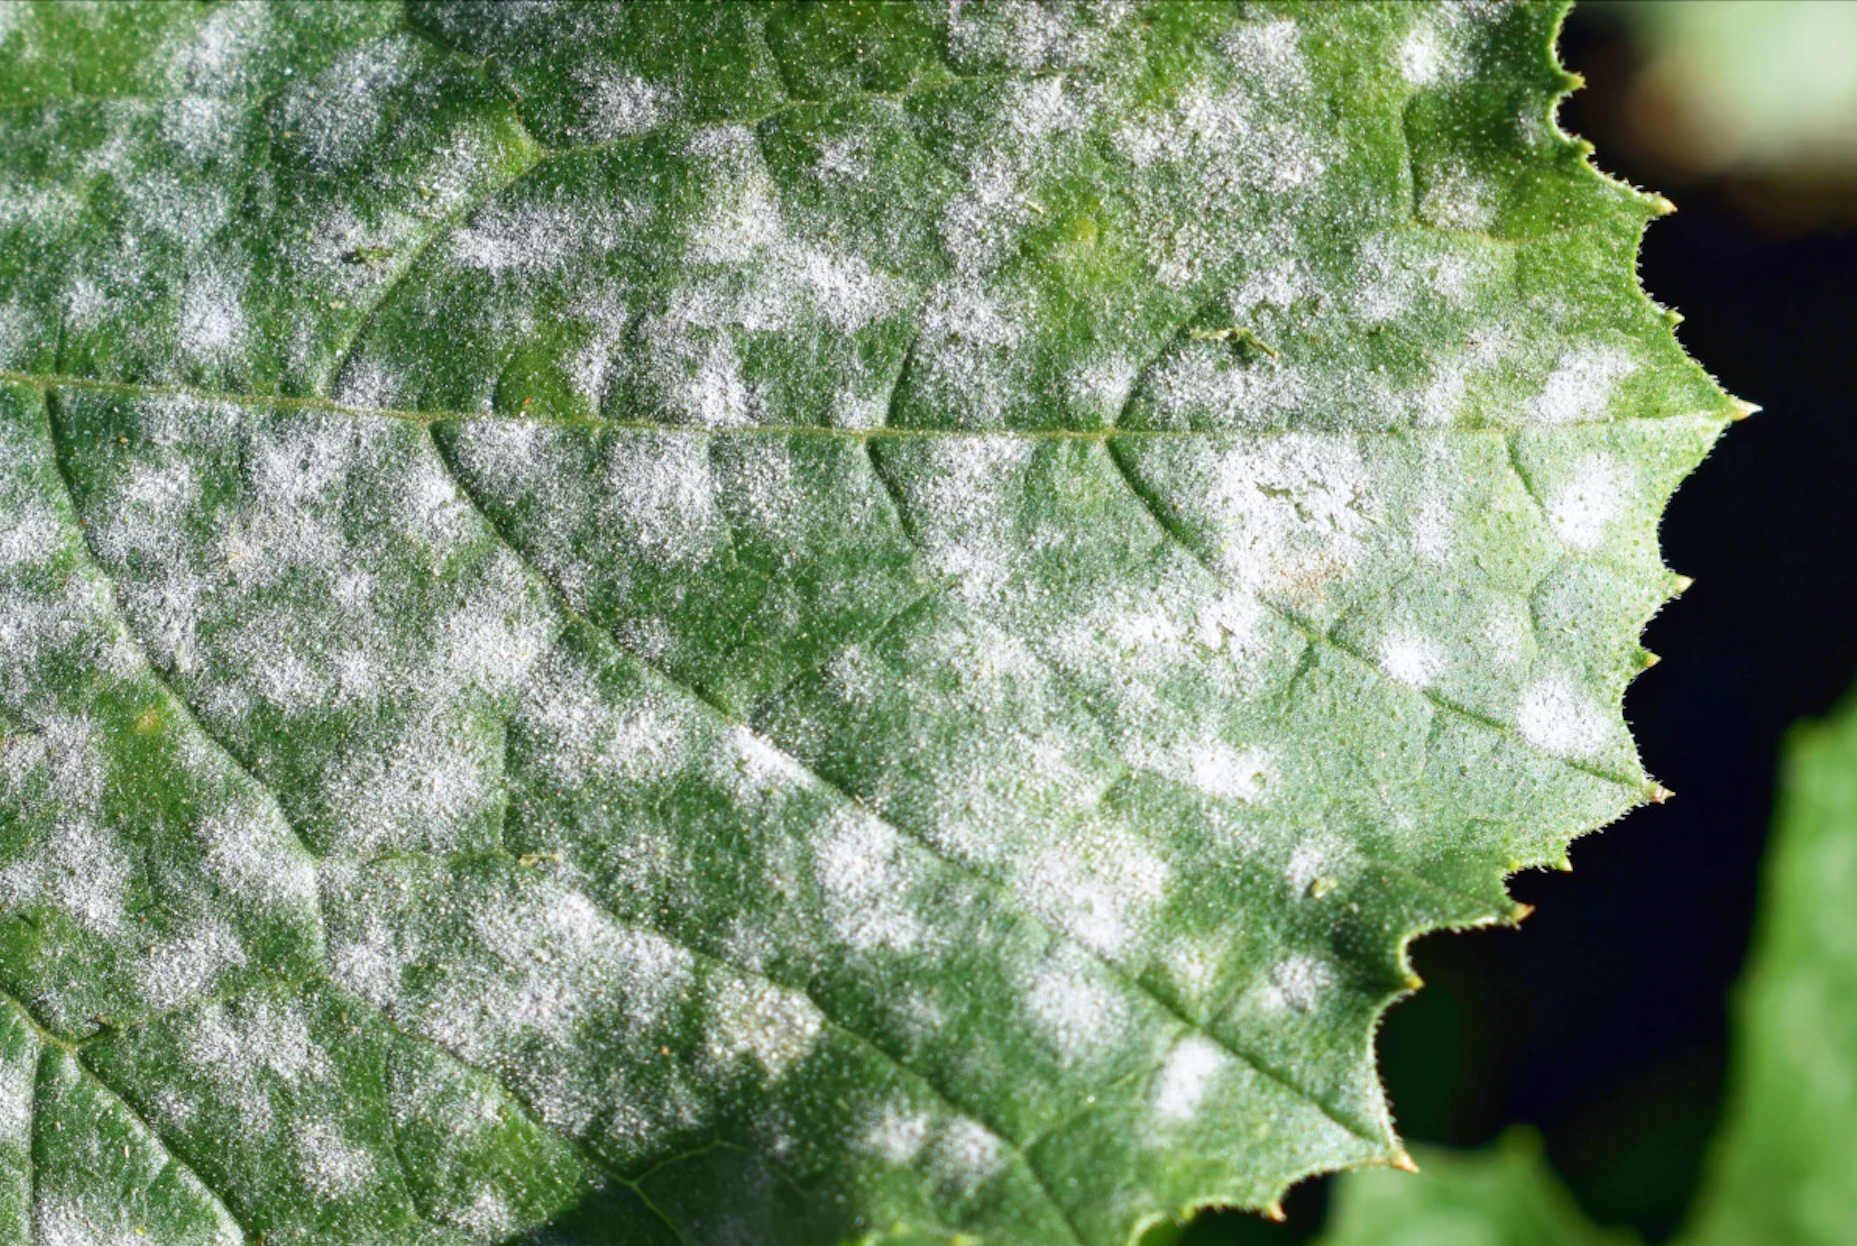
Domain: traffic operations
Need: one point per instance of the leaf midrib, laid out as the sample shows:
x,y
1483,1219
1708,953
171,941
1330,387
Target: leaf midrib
x,y
877,432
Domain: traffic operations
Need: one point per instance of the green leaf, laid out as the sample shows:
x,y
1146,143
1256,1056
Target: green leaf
x,y
1782,1169
713,623
1506,1196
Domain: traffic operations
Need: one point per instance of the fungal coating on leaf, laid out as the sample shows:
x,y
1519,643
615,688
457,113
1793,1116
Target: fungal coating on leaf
x,y
704,622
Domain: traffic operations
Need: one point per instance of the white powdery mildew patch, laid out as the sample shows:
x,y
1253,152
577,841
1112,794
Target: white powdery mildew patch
x,y
1190,1074
852,675
369,384
1076,1010
1287,516
660,492
895,1135
754,769
1206,383
188,966
964,1155
866,875
369,960
593,368
77,869
487,1215
1583,508
1457,197
961,491
201,126
1026,35
215,60
966,353
1229,146
545,966
432,507
1580,385
1098,883
1218,769
61,1221
1035,123
583,733
1508,633
212,319
618,105
1556,716
16,1098
30,530
333,119
1428,55
773,1027
536,238
490,645
544,972
1101,387
62,759
1270,56
1439,49
251,1051
1277,285
1412,659
1433,528
747,272
1193,964
1297,984
1396,271
960,1153
420,792
330,1164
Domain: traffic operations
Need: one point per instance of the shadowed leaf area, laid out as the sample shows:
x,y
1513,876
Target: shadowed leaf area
x,y
792,623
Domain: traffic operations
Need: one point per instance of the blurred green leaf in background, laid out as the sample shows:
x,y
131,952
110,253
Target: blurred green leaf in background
x,y
1762,93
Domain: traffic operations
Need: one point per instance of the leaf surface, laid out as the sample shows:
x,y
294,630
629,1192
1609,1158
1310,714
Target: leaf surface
x,y
709,623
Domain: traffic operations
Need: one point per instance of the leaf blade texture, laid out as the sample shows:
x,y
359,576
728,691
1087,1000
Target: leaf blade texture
x,y
708,622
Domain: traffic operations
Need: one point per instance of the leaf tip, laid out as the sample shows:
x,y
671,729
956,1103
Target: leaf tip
x,y
1739,409
1521,913
1683,583
1274,1212
1404,1162
1659,794
1648,659
1661,206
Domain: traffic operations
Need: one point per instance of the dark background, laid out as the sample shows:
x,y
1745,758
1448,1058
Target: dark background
x,y
1603,1022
